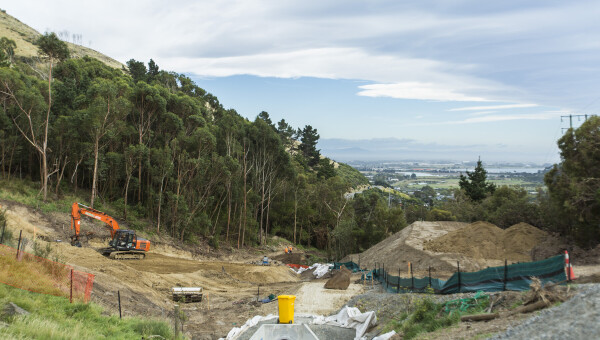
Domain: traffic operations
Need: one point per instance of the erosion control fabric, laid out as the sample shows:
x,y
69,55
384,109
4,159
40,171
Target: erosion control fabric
x,y
511,277
351,266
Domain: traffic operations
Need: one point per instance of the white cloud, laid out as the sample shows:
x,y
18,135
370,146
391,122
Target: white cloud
x,y
498,118
481,113
341,63
493,107
416,90
451,52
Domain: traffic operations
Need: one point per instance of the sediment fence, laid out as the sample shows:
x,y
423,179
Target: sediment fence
x,y
37,274
516,277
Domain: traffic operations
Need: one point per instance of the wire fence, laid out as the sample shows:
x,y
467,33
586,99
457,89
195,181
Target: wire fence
x,y
37,274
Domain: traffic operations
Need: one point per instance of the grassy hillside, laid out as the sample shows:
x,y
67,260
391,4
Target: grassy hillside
x,y
55,318
24,36
353,176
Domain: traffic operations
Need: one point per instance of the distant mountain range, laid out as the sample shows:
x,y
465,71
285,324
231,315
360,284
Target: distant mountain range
x,y
392,149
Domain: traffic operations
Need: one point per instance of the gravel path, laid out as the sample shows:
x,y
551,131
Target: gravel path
x,y
578,318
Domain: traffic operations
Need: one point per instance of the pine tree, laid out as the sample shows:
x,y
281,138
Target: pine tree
x,y
309,138
476,186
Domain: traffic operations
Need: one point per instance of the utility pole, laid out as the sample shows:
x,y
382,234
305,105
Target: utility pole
x,y
585,117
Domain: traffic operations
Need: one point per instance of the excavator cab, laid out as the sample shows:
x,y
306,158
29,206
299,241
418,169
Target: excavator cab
x,y
123,240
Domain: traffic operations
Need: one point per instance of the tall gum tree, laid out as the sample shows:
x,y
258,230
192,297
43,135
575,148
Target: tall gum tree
x,y
108,106
55,50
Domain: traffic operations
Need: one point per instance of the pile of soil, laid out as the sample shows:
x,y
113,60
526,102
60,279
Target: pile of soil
x,y
483,240
520,239
407,246
293,258
553,245
477,240
340,280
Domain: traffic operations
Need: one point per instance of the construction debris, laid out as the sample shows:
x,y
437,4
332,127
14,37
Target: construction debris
x,y
479,317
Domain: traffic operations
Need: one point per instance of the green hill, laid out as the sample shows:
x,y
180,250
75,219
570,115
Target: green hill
x,y
24,36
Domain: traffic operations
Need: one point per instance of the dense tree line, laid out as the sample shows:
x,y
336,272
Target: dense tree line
x,y
157,146
570,205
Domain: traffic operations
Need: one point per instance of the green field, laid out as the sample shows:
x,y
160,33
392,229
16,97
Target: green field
x,y
441,183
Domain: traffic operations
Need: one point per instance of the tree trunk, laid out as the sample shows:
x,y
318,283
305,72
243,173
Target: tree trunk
x,y
95,176
61,174
228,210
245,199
268,211
159,204
295,213
125,200
45,144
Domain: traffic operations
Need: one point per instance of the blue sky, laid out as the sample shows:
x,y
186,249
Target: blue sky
x,y
385,80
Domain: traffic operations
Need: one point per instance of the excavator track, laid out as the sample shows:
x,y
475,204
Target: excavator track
x,y
123,255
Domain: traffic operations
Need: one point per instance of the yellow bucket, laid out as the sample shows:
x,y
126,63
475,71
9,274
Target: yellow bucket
x,y
286,308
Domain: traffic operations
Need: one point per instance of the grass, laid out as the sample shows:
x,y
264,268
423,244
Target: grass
x,y
428,316
43,277
55,318
452,183
24,37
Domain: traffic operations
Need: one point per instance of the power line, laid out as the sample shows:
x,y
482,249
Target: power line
x,y
585,117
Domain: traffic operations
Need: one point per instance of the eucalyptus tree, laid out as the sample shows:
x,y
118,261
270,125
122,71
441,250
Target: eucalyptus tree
x,y
24,104
55,50
108,106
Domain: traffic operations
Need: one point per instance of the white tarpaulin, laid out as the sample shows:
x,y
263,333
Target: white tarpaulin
x,y
321,269
235,331
300,270
385,336
348,317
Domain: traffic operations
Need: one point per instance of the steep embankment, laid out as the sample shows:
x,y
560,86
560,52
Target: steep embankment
x,y
24,36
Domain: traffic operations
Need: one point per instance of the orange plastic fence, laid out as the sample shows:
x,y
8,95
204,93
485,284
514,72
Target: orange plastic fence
x,y
37,274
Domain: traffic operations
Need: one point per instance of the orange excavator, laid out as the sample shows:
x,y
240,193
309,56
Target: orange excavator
x,y
124,244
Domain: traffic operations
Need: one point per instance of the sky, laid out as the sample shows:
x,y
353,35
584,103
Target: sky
x,y
379,80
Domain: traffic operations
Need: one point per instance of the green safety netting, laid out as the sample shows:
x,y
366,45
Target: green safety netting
x,y
510,277
349,265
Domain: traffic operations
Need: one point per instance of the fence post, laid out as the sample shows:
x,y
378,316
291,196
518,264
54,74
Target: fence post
x,y
119,296
19,245
412,278
71,295
258,294
430,277
176,321
505,274
383,272
3,230
399,269
459,283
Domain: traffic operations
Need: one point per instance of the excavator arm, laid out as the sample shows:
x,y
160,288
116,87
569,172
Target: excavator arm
x,y
78,209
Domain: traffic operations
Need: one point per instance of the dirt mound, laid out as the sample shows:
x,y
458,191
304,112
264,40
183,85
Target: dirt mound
x,y
407,246
340,280
477,240
520,239
293,258
483,240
